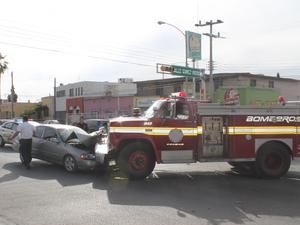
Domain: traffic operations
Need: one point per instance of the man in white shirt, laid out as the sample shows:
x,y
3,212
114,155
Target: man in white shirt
x,y
26,130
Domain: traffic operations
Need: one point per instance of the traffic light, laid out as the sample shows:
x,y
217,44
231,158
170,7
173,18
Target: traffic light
x,y
14,99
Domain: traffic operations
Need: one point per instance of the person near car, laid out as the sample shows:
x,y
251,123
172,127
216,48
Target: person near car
x,y
26,131
82,124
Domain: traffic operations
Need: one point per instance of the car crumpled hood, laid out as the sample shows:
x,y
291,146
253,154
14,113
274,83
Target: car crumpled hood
x,y
85,139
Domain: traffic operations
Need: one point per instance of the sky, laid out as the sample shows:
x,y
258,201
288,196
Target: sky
x,y
94,40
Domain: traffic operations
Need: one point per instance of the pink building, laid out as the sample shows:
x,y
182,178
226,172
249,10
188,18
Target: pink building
x,y
108,106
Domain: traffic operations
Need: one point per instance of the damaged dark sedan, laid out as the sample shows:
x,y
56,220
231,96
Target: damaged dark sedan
x,y
65,145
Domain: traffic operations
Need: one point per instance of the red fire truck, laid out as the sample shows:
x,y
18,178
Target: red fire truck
x,y
185,130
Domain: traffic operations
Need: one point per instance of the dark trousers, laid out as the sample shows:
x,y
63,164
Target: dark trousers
x,y
25,150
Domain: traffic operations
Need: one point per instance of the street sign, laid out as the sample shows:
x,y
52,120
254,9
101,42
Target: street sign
x,y
179,70
186,71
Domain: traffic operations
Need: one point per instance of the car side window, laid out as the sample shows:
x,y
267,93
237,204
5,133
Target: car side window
x,y
8,125
39,132
49,133
14,126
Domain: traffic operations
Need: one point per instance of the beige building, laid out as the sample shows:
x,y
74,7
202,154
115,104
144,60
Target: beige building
x,y
18,108
49,102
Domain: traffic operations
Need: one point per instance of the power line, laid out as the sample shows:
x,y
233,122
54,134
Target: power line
x,y
107,48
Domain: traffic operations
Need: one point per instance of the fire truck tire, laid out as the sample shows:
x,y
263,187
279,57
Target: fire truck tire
x,y
136,160
273,160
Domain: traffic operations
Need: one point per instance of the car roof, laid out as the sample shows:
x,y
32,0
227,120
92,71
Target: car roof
x,y
96,119
57,126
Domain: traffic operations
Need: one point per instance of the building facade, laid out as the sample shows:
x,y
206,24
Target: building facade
x,y
253,89
78,99
9,111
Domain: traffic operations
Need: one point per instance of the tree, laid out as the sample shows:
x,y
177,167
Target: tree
x,y
3,64
3,67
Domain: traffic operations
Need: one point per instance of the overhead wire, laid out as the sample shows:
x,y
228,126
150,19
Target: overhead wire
x,y
139,54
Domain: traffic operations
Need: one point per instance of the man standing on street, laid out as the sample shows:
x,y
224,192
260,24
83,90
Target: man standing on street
x,y
82,124
26,130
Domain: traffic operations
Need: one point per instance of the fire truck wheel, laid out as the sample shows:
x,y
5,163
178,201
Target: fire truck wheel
x,y
273,160
136,160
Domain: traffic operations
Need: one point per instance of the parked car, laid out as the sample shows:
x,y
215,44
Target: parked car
x,y
2,121
51,122
7,129
96,124
65,145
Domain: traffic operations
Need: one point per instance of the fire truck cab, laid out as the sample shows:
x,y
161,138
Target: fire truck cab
x,y
185,130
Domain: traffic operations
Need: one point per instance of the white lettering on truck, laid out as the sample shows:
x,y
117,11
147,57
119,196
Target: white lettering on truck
x,y
273,119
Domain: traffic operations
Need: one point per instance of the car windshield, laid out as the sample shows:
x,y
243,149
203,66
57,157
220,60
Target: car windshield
x,y
65,133
149,113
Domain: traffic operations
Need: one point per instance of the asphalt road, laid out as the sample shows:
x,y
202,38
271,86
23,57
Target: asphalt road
x,y
207,193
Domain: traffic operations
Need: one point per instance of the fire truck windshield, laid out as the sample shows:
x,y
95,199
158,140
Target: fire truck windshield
x,y
150,112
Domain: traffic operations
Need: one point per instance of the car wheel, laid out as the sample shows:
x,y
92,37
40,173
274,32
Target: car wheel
x,y
70,163
273,161
2,143
136,160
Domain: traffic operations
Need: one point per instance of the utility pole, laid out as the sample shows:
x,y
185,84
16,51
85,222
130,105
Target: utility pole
x,y
54,99
211,67
12,94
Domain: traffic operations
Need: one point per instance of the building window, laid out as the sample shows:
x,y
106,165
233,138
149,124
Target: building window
x,y
81,91
252,83
76,91
71,92
271,84
61,93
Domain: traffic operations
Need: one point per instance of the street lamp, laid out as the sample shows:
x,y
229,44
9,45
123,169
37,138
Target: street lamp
x,y
186,59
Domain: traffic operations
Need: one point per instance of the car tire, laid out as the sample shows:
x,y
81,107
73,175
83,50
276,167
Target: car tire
x,y
2,143
136,160
273,160
70,164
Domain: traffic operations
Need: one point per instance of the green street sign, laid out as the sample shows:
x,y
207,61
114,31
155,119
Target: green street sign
x,y
186,71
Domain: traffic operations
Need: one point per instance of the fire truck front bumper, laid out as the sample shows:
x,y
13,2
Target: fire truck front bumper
x,y
101,151
104,157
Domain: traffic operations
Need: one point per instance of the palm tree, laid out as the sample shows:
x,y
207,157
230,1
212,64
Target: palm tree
x,y
3,67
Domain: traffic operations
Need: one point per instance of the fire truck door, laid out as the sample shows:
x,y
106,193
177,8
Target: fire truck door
x,y
212,137
179,142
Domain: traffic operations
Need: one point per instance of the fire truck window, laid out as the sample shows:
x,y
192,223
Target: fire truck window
x,y
182,111
166,110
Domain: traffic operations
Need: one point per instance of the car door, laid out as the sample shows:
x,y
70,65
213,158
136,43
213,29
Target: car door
x,y
36,151
7,130
51,148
